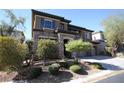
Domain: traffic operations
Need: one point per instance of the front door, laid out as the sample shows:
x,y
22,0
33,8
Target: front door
x,y
95,50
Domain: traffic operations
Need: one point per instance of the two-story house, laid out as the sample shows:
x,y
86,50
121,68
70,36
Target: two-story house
x,y
49,26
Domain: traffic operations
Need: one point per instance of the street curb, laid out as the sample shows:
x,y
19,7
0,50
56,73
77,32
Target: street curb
x,y
113,73
96,76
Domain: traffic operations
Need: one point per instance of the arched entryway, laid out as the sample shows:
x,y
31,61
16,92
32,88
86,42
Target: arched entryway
x,y
66,53
95,50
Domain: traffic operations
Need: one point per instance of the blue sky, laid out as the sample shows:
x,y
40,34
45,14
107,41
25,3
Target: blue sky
x,y
88,18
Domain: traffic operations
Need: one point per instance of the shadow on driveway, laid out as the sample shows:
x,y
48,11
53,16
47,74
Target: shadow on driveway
x,y
98,57
110,66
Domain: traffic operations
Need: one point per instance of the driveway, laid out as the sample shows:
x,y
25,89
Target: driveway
x,y
107,62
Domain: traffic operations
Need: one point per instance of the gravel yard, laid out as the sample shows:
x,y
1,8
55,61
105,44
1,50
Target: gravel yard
x,y
64,75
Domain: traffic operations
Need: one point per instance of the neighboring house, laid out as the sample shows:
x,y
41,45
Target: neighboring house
x,y
98,37
49,26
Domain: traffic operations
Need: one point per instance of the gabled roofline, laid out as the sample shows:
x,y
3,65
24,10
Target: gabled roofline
x,y
50,15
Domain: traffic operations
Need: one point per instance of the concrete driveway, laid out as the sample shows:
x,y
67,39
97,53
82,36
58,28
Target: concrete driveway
x,y
108,62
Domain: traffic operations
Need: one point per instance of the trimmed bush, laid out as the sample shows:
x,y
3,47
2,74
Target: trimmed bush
x,y
54,69
47,49
34,72
12,53
76,68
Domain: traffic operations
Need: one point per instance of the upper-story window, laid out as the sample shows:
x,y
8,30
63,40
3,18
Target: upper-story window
x,y
48,24
88,35
61,26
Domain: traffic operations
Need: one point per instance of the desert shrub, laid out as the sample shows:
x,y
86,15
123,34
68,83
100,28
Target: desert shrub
x,y
76,68
54,69
35,58
47,49
12,53
75,62
64,63
34,72
97,65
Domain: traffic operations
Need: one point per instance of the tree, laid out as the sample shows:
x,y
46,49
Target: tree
x,y
30,55
12,53
12,25
47,49
78,46
114,32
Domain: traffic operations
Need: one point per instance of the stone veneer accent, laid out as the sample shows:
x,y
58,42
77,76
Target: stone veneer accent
x,y
61,37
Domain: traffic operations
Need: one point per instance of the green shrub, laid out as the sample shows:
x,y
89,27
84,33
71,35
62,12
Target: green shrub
x,y
47,49
12,53
34,72
36,58
75,62
76,68
54,69
64,65
97,65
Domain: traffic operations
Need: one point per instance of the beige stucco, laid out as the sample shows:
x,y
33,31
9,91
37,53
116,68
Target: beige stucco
x,y
37,22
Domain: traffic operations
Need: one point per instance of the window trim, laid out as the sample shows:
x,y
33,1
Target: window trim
x,y
44,27
60,26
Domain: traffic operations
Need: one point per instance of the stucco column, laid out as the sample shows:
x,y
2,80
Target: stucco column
x,y
61,46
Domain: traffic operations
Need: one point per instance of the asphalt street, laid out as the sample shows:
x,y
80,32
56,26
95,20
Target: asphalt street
x,y
119,78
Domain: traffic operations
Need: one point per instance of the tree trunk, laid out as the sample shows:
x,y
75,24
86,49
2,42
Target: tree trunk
x,y
114,50
1,32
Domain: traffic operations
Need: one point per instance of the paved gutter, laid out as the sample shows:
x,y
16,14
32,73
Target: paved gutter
x,y
107,76
90,78
96,77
